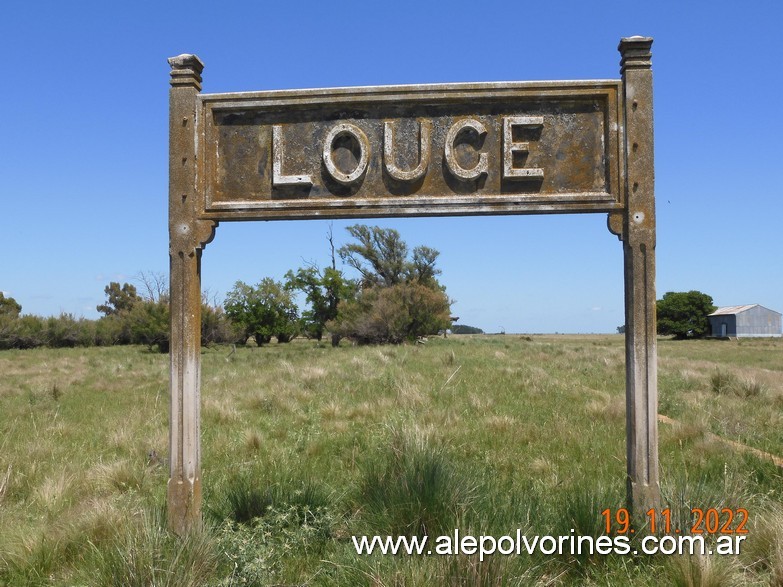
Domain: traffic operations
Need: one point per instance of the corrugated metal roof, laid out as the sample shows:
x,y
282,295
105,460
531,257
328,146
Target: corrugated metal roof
x,y
732,310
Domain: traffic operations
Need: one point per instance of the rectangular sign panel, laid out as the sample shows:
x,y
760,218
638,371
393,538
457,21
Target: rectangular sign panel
x,y
412,150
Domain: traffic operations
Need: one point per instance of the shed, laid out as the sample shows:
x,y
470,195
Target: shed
x,y
745,321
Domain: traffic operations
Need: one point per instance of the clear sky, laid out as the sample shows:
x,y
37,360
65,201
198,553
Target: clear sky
x,y
84,145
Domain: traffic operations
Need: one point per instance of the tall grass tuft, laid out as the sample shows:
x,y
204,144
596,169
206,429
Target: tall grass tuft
x,y
722,382
413,489
749,388
764,544
469,571
578,514
33,565
702,571
143,553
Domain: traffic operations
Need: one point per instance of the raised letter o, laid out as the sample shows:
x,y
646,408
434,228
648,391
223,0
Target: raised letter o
x,y
340,130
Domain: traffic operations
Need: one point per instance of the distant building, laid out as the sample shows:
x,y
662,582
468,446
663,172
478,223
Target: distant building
x,y
745,321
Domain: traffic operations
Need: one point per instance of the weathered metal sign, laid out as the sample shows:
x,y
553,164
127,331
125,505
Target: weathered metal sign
x,y
433,150
415,150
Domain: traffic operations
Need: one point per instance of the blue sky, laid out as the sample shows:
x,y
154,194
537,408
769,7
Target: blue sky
x,y
84,146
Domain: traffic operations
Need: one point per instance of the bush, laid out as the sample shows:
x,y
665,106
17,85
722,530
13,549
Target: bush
x,y
7,327
149,324
217,327
66,331
25,332
464,329
112,330
247,497
393,314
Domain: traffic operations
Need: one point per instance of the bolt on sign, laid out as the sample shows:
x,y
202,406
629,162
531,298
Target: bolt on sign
x,y
425,150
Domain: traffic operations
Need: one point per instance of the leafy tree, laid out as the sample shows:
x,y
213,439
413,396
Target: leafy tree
x,y
400,297
10,310
324,290
119,299
263,311
115,324
421,268
9,307
684,314
380,255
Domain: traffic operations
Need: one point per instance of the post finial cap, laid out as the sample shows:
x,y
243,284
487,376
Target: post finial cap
x,y
186,70
635,53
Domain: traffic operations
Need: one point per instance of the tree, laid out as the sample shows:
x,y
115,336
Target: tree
x,y
684,314
115,324
400,297
422,269
9,307
263,311
380,255
10,310
119,299
324,290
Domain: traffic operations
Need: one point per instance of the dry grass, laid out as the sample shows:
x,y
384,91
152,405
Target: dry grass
x,y
531,418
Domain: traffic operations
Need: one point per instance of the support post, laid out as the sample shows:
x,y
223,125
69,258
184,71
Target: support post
x,y
638,235
187,237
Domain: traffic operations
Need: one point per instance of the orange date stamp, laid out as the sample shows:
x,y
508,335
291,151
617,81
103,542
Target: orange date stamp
x,y
704,521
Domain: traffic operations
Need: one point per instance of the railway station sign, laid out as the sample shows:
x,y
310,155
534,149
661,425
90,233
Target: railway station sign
x,y
424,150
415,150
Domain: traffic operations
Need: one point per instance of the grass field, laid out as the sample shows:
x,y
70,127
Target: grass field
x,y
305,446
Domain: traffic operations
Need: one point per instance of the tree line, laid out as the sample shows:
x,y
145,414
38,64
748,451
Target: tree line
x,y
395,298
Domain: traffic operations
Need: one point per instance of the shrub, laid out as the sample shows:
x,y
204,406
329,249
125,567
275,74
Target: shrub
x,y
67,331
27,332
393,314
149,324
111,330
465,329
246,498
217,327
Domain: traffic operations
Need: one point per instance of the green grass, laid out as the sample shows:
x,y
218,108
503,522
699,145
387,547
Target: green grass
x,y
304,446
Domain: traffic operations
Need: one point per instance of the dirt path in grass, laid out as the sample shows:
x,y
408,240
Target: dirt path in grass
x,y
736,445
